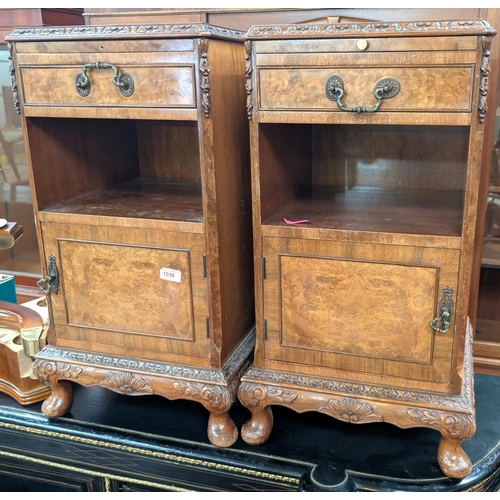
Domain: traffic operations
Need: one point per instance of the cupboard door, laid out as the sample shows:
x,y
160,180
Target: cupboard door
x,y
363,308
135,291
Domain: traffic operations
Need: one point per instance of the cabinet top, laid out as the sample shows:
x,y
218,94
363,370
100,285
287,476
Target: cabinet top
x,y
192,30
374,29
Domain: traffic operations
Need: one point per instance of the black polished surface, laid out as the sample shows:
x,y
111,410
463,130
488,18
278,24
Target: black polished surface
x,y
146,443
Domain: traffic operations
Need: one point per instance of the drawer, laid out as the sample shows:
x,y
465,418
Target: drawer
x,y
153,85
421,89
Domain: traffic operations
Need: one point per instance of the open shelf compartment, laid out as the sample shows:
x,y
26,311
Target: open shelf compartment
x,y
391,179
117,168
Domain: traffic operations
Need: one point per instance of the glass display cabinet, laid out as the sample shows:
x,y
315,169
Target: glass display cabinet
x,y
487,339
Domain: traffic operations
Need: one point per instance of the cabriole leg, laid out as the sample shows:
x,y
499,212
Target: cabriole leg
x,y
258,429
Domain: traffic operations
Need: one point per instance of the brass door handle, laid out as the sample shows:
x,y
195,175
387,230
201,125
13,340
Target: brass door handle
x,y
445,311
124,82
51,281
384,89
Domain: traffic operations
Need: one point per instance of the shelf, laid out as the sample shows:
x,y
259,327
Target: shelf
x,y
409,211
142,198
26,264
491,253
488,330
494,185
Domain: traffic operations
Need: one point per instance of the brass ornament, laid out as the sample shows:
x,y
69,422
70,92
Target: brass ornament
x,y
124,82
362,44
384,89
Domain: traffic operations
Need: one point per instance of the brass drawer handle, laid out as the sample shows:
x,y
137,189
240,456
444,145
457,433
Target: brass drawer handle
x,y
384,89
51,281
124,82
445,311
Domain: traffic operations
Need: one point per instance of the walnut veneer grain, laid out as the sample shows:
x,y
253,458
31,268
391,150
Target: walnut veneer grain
x,y
345,301
143,207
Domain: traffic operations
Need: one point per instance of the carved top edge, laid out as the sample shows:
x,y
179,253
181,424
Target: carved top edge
x,y
189,30
376,29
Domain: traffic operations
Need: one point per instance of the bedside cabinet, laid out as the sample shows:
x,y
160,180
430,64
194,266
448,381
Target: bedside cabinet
x,y
366,145
138,155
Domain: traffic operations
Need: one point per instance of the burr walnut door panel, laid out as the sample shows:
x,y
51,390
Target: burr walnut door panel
x,y
358,307
140,292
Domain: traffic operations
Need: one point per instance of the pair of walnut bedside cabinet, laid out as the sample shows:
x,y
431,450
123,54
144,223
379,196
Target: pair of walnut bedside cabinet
x,y
137,141
365,144
366,155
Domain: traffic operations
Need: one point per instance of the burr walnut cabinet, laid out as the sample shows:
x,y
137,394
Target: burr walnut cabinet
x,y
139,164
365,151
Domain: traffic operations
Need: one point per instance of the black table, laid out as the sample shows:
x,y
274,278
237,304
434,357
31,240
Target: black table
x,y
111,442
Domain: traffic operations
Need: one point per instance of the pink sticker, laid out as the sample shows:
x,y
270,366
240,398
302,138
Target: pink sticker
x,y
292,222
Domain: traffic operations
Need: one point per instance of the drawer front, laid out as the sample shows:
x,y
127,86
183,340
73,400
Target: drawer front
x,y
357,308
154,86
118,292
365,45
422,89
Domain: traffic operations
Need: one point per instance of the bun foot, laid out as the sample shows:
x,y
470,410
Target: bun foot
x,y
221,430
453,460
259,427
60,401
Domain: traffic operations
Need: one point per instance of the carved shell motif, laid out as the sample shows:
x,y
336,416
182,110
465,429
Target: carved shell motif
x,y
126,383
351,410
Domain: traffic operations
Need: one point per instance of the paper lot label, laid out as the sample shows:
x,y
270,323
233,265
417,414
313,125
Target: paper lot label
x,y
170,274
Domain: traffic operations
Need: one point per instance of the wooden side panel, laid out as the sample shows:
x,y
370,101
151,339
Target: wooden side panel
x,y
169,149
471,202
493,17
394,157
422,89
112,296
331,305
285,164
55,86
232,187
